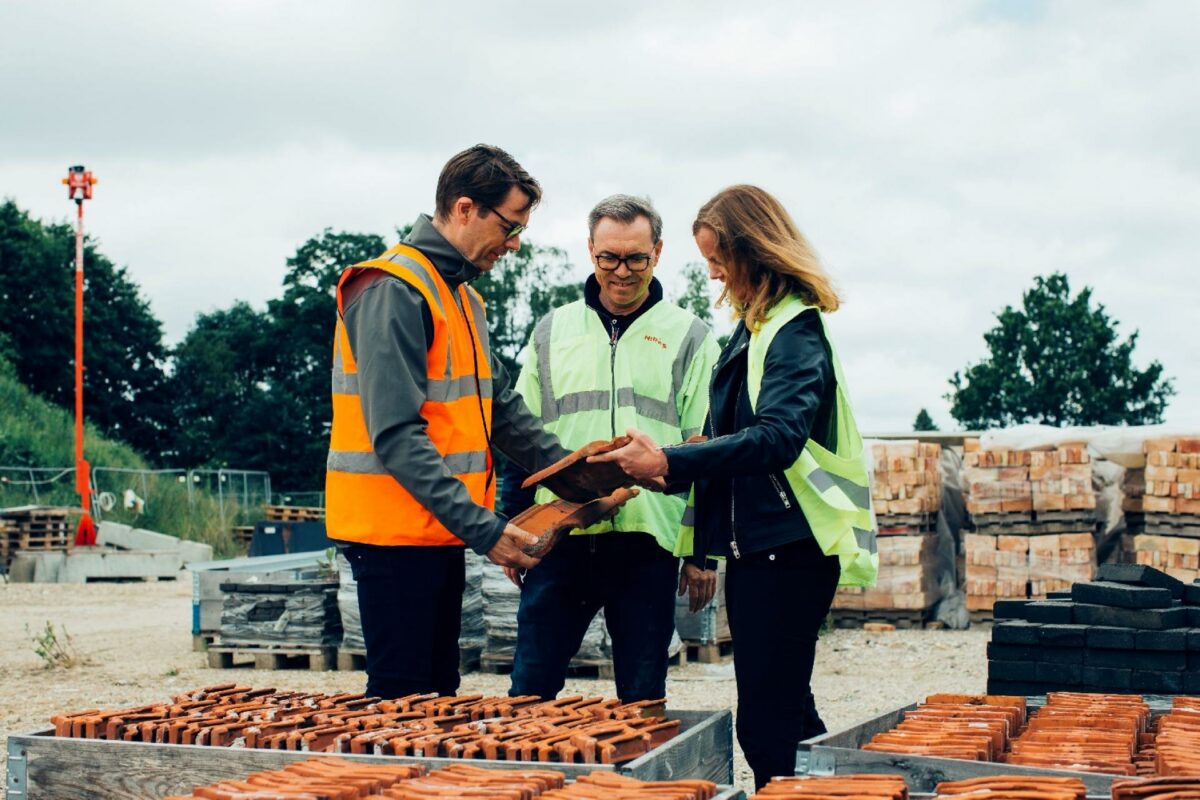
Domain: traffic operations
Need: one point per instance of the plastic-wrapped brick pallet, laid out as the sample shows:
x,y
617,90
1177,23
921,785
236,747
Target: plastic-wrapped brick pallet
x,y
473,633
500,601
289,612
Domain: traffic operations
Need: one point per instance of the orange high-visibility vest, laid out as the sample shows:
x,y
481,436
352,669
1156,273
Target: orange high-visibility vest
x,y
364,503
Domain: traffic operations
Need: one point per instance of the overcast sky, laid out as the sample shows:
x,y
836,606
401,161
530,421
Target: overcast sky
x,y
938,155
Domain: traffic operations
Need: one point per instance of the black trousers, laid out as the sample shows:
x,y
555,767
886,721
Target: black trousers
x,y
628,575
410,599
777,601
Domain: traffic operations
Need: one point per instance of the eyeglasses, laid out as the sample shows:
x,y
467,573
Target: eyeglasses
x,y
637,262
515,229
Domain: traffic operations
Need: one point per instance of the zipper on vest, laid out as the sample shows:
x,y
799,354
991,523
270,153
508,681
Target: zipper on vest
x,y
712,427
612,367
779,490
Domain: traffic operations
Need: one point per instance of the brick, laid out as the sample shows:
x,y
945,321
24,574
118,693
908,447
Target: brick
x,y
1139,575
1105,678
1063,635
1157,682
1009,609
1142,618
1048,611
1105,593
1060,674
1012,652
1193,639
1016,632
1061,655
1193,616
1136,659
1191,682
1172,639
1191,594
1011,670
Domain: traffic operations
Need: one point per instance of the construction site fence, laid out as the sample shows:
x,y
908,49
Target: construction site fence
x,y
197,504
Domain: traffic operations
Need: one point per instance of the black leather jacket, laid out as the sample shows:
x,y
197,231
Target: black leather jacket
x,y
743,501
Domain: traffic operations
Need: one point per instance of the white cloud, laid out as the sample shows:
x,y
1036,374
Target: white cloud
x,y
939,155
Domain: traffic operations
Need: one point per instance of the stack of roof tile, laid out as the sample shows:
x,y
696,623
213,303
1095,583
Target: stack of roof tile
x,y
813,787
1176,747
1083,732
1168,788
1006,787
971,727
568,730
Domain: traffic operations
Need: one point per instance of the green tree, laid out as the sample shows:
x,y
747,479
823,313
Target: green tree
x,y
522,288
124,354
1058,360
924,422
695,296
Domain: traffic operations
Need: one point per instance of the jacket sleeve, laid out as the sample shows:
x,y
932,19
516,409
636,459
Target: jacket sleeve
x,y
516,429
795,376
389,329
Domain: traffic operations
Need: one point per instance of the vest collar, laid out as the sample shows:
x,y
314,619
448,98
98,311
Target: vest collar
x,y
591,296
450,264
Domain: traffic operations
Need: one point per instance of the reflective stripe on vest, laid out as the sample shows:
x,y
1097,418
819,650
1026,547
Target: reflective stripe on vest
x,y
833,488
364,502
585,389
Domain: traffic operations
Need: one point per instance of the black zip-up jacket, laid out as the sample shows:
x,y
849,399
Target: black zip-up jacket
x,y
742,495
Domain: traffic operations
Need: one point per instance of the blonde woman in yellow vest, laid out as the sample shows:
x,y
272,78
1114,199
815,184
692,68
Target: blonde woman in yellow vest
x,y
780,488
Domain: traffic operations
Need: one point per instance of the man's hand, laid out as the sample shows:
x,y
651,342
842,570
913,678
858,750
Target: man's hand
x,y
508,552
699,584
642,459
515,575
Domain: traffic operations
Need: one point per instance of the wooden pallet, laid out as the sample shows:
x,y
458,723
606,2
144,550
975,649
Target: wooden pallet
x,y
903,619
1033,523
578,668
982,617
354,659
906,524
706,652
1163,524
202,641
242,534
293,513
271,656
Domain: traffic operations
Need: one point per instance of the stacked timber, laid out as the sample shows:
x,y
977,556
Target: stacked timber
x,y
1162,508
1033,518
906,493
1135,629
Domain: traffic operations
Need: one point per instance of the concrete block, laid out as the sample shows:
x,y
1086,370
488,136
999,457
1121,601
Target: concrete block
x,y
1012,652
1174,639
1193,640
1009,609
1191,682
1021,688
1104,637
1191,594
1049,611
1140,575
126,537
1015,632
1157,682
1106,678
1063,635
1011,670
1060,674
1061,655
1193,616
1161,661
1142,618
32,566
1123,595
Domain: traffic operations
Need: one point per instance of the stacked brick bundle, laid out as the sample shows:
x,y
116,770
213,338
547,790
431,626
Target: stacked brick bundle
x,y
813,787
1002,481
1134,630
906,495
566,730
907,479
998,787
333,777
1032,512
1162,508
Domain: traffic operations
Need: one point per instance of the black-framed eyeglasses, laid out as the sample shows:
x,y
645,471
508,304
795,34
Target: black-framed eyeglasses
x,y
637,262
514,229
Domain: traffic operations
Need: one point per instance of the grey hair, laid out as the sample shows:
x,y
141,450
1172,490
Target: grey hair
x,y
626,208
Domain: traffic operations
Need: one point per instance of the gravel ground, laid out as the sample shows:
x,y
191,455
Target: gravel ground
x,y
135,643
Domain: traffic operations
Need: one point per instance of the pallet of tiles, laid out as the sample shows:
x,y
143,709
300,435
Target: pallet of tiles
x,y
907,577
906,479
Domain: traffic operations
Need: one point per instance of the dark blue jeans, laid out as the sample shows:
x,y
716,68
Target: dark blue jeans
x,y
410,599
628,575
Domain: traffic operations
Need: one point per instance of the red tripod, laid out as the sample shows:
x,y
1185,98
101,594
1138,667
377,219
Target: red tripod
x,y
79,184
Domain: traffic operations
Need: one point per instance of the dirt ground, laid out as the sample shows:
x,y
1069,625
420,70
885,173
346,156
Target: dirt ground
x,y
136,646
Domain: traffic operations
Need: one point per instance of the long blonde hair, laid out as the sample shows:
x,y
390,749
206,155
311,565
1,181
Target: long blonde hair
x,y
764,254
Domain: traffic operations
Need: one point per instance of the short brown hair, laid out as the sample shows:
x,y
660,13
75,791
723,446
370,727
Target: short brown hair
x,y
765,255
485,174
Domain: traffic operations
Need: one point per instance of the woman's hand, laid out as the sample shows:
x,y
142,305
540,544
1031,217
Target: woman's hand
x,y
641,459
699,584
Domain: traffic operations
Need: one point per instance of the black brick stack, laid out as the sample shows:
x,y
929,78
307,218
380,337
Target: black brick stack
x,y
1134,629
